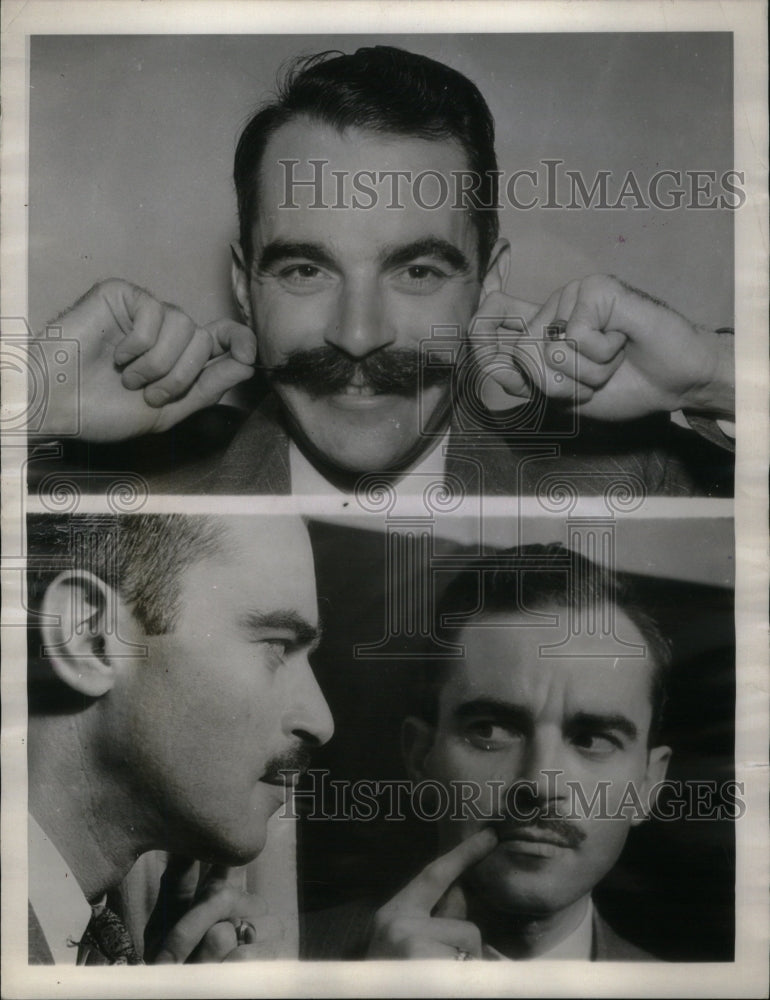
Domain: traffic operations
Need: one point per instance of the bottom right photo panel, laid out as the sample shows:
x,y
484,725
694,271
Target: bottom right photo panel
x,y
534,746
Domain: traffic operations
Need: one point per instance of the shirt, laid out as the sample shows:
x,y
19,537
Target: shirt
x,y
58,901
576,946
306,480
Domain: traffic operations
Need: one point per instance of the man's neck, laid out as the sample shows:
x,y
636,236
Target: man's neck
x,y
77,815
523,936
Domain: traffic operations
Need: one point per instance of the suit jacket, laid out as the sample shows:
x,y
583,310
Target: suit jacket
x,y
38,951
344,931
221,451
651,456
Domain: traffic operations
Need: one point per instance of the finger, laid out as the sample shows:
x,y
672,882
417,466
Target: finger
x,y
586,327
456,933
221,905
227,873
234,337
187,368
562,357
180,878
143,319
255,952
408,936
217,943
518,363
216,876
453,904
423,892
495,311
214,381
175,334
520,309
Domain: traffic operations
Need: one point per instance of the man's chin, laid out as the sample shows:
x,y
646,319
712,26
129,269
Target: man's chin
x,y
355,435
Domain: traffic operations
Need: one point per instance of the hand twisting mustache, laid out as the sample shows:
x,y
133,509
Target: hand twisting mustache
x,y
326,371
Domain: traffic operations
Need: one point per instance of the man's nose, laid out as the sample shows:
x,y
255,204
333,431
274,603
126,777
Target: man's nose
x,y
543,767
308,717
360,325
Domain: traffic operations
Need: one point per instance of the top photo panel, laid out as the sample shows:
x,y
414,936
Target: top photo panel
x,y
314,265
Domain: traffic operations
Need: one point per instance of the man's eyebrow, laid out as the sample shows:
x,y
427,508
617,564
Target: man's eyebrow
x,y
604,721
431,246
512,714
503,711
258,622
279,250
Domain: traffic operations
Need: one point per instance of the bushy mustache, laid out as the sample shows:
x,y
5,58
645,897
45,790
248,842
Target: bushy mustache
x,y
326,371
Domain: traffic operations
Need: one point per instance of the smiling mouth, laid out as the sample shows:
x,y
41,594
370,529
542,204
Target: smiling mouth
x,y
358,390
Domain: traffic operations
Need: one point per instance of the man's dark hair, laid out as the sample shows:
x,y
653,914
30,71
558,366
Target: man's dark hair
x,y
532,578
386,90
141,556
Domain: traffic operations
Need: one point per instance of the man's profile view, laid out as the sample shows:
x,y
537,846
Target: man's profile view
x,y
169,687
343,273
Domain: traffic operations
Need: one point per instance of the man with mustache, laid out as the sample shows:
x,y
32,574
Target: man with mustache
x,y
343,286
551,717
169,688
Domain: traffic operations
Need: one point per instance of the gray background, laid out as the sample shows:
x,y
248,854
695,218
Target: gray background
x,y
132,138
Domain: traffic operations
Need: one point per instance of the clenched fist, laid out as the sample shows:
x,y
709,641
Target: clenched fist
x,y
144,365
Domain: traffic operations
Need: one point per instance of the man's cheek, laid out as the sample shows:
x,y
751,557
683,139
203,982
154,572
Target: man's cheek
x,y
414,316
283,326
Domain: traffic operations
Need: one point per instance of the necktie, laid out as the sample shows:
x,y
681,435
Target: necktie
x,y
106,941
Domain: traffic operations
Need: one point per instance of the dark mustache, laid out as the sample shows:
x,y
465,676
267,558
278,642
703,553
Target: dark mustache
x,y
564,830
326,370
295,760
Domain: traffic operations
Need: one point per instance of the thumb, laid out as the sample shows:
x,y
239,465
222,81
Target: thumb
x,y
239,340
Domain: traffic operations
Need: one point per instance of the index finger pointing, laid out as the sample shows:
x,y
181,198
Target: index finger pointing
x,y
424,891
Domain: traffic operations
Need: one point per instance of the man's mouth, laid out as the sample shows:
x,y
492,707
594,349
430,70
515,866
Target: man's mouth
x,y
359,386
529,835
546,833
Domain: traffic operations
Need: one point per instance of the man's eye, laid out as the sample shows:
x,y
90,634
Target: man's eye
x,y
420,277
277,649
487,735
303,276
597,744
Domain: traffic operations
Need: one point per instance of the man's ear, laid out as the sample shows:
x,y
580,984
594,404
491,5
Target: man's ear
x,y
239,277
417,737
80,632
657,766
496,278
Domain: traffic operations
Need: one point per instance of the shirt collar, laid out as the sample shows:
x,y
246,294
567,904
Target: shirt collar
x,y
61,908
306,480
577,946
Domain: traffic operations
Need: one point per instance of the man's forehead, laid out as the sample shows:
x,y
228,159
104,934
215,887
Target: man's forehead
x,y
507,658
304,138
265,562
311,170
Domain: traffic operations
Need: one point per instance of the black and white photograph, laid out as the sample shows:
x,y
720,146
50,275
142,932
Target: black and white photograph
x,y
384,465
438,265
